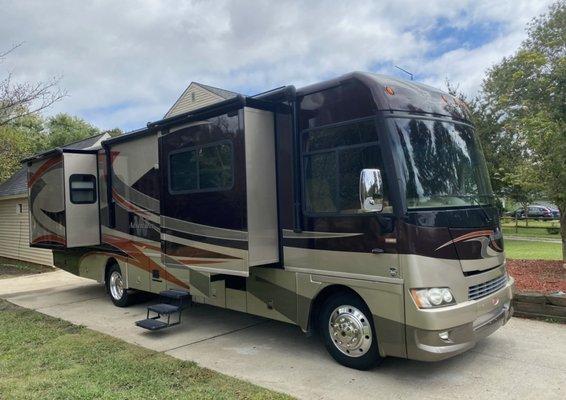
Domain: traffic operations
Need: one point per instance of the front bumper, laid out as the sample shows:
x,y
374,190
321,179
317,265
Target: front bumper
x,y
428,345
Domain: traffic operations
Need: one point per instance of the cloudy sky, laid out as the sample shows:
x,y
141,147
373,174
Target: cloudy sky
x,y
124,63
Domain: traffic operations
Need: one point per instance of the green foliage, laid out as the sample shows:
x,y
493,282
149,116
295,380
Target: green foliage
x,y
64,128
114,132
526,94
19,139
31,133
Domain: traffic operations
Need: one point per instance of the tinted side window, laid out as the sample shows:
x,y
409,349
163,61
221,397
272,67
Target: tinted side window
x,y
183,170
348,101
201,168
215,166
333,159
82,189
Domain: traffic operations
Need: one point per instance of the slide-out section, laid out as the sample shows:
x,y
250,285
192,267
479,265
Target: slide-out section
x,y
219,210
63,199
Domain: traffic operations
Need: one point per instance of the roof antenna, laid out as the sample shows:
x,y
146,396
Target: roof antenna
x,y
405,71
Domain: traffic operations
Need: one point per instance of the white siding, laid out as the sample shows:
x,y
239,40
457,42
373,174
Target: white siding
x,y
185,103
14,233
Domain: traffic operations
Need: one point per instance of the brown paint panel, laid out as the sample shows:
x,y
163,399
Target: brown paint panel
x,y
179,250
139,259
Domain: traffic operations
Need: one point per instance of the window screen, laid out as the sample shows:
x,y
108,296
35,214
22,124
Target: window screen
x,y
82,189
202,168
333,159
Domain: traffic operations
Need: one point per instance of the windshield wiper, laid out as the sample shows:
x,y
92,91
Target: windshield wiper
x,y
476,200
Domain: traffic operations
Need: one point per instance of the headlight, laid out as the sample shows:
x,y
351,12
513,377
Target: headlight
x,y
432,297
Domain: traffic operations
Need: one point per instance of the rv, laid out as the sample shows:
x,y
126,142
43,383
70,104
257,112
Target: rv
x,y
358,207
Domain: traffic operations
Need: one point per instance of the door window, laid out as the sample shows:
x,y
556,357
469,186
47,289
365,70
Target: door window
x,y
82,189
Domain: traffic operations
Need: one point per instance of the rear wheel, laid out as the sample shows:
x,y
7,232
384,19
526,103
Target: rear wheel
x,y
347,329
116,287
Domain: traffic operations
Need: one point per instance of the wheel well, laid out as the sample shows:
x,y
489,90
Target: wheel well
x,y
111,261
322,296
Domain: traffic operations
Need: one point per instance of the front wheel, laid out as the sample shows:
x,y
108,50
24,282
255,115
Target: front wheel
x,y
116,287
347,329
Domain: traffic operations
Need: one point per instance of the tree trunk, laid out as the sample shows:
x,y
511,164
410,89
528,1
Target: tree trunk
x,y
526,213
562,209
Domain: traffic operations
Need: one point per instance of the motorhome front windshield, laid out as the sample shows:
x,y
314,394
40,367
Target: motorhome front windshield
x,y
441,164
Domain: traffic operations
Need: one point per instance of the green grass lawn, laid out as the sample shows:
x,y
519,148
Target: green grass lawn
x,y
529,250
46,358
10,268
537,229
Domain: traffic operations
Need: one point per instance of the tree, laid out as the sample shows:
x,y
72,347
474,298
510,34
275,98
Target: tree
x,y
502,148
114,132
20,99
31,133
19,139
527,93
523,186
64,128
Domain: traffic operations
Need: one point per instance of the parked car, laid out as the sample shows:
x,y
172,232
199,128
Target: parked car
x,y
555,213
535,212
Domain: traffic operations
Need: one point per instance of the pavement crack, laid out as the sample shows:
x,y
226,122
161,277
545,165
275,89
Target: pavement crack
x,y
66,304
216,336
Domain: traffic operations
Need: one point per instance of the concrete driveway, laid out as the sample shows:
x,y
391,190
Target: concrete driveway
x,y
523,360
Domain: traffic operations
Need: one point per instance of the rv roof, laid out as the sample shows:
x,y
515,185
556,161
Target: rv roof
x,y
407,95
87,144
127,136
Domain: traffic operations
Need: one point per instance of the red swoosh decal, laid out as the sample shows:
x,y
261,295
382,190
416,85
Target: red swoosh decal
x,y
46,166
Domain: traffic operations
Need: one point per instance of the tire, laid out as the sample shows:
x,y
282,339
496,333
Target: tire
x,y
115,287
346,326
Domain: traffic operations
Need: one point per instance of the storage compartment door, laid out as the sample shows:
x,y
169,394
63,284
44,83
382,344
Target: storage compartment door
x,y
81,199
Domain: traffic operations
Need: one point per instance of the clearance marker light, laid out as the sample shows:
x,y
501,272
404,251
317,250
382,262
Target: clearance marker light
x,y
389,91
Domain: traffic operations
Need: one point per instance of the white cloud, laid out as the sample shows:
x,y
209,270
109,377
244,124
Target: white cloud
x,y
124,63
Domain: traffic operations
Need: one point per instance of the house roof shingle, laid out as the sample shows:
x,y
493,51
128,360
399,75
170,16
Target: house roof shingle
x,y
225,94
16,184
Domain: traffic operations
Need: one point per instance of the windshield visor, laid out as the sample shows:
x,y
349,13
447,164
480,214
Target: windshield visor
x,y
441,164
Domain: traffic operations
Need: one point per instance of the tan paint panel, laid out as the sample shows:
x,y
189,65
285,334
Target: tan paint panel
x,y
276,288
341,261
261,190
82,220
236,300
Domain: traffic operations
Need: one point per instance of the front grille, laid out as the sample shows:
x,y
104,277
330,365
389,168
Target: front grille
x,y
486,288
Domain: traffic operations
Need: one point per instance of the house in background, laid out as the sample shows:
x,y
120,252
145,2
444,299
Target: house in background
x,y
14,219
198,95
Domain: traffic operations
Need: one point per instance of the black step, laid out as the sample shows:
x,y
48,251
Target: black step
x,y
152,324
174,294
163,309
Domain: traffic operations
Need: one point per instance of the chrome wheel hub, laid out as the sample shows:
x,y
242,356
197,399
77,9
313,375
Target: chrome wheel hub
x,y
350,331
116,285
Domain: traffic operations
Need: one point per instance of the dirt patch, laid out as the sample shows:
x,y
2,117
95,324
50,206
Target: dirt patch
x,y
11,268
540,276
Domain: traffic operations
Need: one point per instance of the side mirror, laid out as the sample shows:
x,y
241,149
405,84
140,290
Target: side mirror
x,y
371,190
